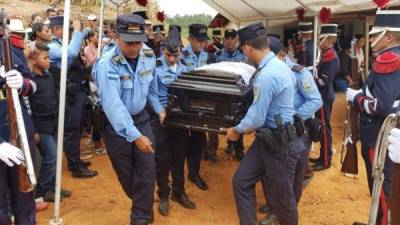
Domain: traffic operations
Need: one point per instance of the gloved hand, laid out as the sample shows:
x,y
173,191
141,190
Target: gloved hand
x,y
351,93
10,154
394,145
13,78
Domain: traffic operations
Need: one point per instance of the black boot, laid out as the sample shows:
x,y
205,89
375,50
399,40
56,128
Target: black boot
x,y
163,206
83,172
183,200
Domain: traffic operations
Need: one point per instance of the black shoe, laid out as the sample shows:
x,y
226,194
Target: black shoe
x,y
211,157
163,206
86,163
199,182
269,220
239,154
314,160
320,166
230,149
83,172
183,200
264,209
50,196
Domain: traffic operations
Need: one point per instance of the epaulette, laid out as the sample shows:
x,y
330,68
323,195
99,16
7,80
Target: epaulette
x,y
329,55
387,62
148,52
158,63
116,59
297,68
185,53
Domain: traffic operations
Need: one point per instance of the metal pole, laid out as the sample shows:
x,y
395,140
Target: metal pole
x,y
316,23
64,63
99,46
366,57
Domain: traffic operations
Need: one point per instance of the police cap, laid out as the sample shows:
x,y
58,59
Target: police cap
x,y
251,32
198,31
230,33
130,28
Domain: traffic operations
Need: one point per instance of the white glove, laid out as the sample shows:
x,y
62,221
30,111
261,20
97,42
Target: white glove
x,y
10,154
321,82
14,79
394,145
351,93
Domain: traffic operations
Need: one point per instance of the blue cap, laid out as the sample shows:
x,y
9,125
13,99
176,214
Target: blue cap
x,y
329,29
198,31
173,41
251,32
130,28
175,26
388,20
230,33
275,45
56,20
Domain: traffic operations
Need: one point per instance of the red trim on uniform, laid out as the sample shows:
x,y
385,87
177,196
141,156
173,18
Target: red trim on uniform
x,y
329,55
360,103
384,208
325,137
17,41
300,48
27,86
371,155
386,63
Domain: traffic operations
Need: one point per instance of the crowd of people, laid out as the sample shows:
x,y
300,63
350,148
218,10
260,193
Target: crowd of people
x,y
118,100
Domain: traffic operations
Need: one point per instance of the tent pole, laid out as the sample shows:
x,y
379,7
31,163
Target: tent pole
x,y
64,63
99,45
316,25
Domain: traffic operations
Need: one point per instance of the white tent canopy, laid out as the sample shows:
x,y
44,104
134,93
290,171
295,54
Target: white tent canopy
x,y
277,12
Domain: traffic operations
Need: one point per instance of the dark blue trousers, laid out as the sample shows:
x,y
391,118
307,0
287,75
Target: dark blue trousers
x,y
324,114
198,144
72,130
135,169
278,170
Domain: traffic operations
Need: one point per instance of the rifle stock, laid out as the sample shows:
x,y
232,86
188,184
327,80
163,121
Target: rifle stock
x,y
25,185
394,205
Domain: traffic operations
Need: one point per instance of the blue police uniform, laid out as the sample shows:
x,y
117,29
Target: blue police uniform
x,y
380,96
191,60
125,85
108,47
74,47
327,70
23,204
273,87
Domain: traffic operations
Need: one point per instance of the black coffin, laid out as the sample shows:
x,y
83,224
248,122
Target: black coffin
x,y
207,101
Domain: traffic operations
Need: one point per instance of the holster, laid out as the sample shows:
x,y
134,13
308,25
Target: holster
x,y
314,127
267,138
299,125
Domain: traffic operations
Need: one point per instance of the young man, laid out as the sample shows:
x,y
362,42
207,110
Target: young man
x,y
230,53
44,106
194,56
76,95
171,143
125,79
328,68
277,149
379,97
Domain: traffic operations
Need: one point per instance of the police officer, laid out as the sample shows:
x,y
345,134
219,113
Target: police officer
x,y
194,56
267,156
307,101
76,95
171,143
327,70
231,53
216,45
125,77
379,96
23,204
304,51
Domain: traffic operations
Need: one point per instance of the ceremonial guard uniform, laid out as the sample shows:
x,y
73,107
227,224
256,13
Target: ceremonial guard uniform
x,y
23,204
305,48
379,97
124,87
216,45
327,70
275,152
193,60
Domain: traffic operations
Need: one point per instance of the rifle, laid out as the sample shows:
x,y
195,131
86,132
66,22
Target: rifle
x,y
18,137
349,146
394,204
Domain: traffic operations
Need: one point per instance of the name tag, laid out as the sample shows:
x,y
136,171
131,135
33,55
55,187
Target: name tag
x,y
145,73
126,77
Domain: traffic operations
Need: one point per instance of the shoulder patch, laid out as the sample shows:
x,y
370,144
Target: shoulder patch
x,y
387,62
329,55
158,63
116,59
148,52
185,53
297,68
306,85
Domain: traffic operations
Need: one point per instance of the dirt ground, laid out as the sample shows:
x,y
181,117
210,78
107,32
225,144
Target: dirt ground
x,y
330,199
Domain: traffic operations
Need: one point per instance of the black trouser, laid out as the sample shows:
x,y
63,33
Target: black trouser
x,y
198,142
212,143
135,169
278,168
72,130
171,147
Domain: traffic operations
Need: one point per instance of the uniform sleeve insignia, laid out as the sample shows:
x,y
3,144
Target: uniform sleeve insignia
x,y
145,73
256,91
387,62
126,77
116,59
158,63
297,68
111,76
306,85
329,55
148,52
